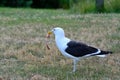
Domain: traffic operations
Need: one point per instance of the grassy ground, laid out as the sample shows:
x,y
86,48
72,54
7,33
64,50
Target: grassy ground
x,y
23,54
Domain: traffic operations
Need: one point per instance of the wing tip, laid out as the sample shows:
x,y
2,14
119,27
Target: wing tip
x,y
109,52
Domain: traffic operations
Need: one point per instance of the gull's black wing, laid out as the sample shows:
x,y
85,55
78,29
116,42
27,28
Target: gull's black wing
x,y
78,49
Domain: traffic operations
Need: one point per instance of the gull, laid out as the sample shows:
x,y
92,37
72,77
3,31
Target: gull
x,y
74,49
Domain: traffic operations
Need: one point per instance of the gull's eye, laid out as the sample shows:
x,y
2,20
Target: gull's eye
x,y
53,29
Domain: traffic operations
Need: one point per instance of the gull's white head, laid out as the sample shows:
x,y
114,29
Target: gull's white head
x,y
58,32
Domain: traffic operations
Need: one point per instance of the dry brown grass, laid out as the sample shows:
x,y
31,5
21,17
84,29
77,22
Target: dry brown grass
x,y
23,53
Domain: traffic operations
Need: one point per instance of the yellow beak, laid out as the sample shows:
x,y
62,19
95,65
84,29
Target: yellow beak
x,y
48,34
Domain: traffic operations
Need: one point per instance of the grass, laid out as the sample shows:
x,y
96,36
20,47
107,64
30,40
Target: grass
x,y
112,6
84,6
89,6
23,53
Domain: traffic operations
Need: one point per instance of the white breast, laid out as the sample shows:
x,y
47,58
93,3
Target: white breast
x,y
62,45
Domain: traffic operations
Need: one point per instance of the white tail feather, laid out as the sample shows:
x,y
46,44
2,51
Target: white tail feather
x,y
101,55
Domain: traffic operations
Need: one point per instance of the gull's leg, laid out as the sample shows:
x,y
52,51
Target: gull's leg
x,y
74,64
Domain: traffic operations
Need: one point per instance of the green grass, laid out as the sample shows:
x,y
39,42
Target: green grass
x,y
89,6
84,6
23,53
112,6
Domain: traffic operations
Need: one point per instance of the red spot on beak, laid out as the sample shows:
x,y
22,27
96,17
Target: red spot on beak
x,y
48,36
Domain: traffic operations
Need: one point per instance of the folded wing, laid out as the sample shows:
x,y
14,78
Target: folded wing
x,y
78,49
